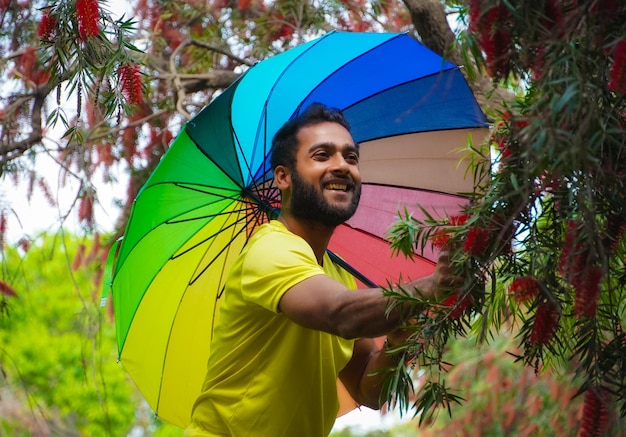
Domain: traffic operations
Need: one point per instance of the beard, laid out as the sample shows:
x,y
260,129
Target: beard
x,y
309,204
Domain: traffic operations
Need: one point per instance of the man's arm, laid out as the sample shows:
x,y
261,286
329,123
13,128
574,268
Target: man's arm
x,y
362,376
327,305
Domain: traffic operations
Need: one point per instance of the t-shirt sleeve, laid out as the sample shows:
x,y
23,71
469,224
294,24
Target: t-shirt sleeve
x,y
273,265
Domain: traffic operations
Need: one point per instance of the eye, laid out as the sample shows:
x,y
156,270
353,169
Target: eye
x,y
352,158
321,155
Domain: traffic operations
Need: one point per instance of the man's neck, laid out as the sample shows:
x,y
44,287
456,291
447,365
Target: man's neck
x,y
314,233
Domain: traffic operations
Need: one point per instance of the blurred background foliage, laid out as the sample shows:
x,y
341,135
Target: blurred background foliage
x,y
58,370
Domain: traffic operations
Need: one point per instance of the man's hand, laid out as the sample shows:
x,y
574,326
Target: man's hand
x,y
438,284
445,279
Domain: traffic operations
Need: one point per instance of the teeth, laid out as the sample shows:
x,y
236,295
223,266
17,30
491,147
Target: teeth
x,y
337,187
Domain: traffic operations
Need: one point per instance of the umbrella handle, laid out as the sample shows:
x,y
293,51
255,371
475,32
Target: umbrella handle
x,y
347,267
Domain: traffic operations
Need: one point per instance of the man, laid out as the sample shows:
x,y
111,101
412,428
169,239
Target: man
x,y
291,321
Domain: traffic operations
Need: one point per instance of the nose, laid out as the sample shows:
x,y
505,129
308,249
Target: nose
x,y
339,164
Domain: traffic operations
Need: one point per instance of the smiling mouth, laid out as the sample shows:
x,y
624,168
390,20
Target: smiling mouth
x,y
337,187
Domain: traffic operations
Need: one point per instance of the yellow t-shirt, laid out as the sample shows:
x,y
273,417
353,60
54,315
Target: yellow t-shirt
x,y
268,376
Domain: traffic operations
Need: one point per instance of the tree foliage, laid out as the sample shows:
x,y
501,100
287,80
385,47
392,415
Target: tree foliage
x,y
503,398
547,217
57,349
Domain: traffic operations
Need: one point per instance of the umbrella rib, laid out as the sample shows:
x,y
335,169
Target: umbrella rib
x,y
411,188
194,187
217,214
256,214
255,184
243,229
238,197
348,268
204,240
244,218
243,155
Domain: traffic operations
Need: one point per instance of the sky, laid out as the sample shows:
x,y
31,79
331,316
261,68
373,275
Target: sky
x,y
27,217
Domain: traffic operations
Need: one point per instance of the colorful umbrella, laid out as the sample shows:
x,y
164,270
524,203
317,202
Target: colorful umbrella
x,y
409,110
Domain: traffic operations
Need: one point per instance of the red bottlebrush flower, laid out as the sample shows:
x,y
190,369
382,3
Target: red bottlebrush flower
x,y
545,324
495,40
7,290
130,78
27,62
3,224
617,76
130,148
85,210
24,244
524,289
553,19
476,241
588,292
474,15
105,155
519,124
441,236
286,31
47,192
595,420
569,244
505,150
129,138
79,258
615,230
458,304
173,36
47,27
284,27
87,16
574,257
41,77
602,9
459,220
242,5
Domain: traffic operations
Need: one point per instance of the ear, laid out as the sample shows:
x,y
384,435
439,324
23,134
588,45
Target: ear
x,y
282,177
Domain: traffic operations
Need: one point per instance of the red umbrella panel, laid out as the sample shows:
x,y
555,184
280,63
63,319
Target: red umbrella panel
x,y
418,172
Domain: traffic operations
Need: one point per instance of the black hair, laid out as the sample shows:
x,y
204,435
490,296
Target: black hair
x,y
285,142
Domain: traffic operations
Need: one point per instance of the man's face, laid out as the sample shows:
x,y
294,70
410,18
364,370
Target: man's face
x,y
326,183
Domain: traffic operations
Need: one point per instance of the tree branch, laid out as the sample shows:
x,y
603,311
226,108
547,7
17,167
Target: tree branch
x,y
431,23
10,150
220,50
180,95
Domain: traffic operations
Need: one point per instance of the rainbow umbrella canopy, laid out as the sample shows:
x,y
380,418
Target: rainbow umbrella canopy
x,y
410,111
